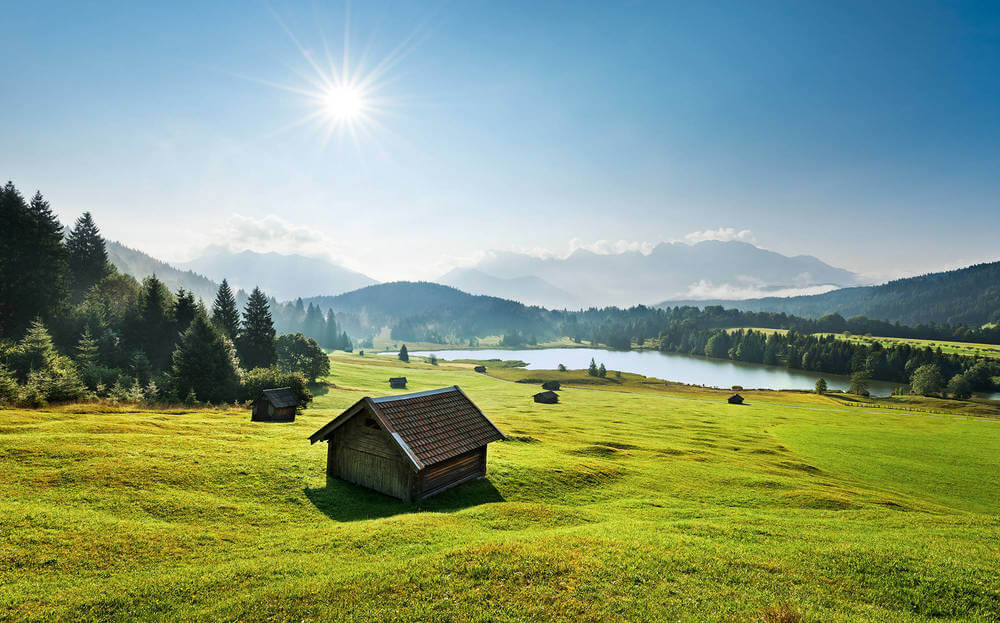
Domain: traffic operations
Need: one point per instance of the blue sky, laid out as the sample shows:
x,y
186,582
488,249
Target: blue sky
x,y
867,134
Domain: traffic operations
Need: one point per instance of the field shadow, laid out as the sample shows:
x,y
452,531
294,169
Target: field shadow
x,y
345,501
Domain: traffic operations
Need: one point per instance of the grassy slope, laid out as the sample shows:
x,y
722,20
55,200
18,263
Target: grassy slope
x,y
661,503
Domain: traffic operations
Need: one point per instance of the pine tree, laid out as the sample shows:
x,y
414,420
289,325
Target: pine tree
x,y
88,257
403,355
204,364
225,315
592,369
602,371
256,343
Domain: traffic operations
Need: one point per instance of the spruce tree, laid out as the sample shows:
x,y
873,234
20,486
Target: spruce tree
x,y
403,355
151,328
33,267
204,364
256,343
314,325
86,350
331,336
184,309
88,257
225,315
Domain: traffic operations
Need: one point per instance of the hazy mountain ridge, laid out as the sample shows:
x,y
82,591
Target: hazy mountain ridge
x,y
969,296
529,290
671,270
284,277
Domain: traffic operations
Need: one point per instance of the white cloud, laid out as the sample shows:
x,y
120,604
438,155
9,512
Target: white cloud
x,y
722,234
707,290
273,234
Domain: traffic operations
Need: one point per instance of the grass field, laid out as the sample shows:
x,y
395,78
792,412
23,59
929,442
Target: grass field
x,y
960,348
644,503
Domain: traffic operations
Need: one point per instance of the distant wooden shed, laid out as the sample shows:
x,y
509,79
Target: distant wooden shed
x,y
735,399
480,369
547,397
397,382
410,446
551,385
275,405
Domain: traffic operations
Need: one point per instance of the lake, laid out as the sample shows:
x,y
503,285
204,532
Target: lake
x,y
668,366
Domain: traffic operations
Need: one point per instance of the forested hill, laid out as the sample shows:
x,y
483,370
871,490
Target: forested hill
x,y
423,311
139,265
968,296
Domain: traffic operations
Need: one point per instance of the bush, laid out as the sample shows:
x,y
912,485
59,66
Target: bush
x,y
257,380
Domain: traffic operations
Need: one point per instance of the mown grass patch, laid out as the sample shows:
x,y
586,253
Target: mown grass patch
x,y
648,502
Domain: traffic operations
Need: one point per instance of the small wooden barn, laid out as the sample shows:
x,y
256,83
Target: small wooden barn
x,y
410,446
397,382
275,405
547,397
480,369
551,385
735,399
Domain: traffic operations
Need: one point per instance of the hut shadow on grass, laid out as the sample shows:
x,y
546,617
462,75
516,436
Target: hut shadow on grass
x,y
344,501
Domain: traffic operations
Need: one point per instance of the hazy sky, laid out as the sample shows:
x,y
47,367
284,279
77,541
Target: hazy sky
x,y
866,134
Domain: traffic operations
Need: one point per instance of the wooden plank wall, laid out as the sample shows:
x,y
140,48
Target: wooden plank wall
x,y
363,455
462,467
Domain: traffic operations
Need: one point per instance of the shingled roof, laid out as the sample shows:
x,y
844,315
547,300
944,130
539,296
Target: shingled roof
x,y
429,427
281,397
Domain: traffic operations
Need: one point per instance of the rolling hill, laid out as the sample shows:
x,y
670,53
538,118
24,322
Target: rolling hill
x,y
969,296
421,310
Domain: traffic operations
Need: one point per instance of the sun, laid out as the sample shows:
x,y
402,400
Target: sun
x,y
344,103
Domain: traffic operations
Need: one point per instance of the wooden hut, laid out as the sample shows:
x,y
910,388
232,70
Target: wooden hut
x,y
397,382
551,385
410,446
735,399
547,397
275,405
480,369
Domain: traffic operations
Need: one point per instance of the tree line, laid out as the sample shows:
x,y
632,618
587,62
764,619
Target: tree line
x,y
73,327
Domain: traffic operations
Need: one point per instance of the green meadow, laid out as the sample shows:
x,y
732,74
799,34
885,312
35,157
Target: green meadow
x,y
629,500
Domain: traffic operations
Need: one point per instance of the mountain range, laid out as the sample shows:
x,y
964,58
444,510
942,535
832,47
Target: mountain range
x,y
284,277
969,296
708,269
